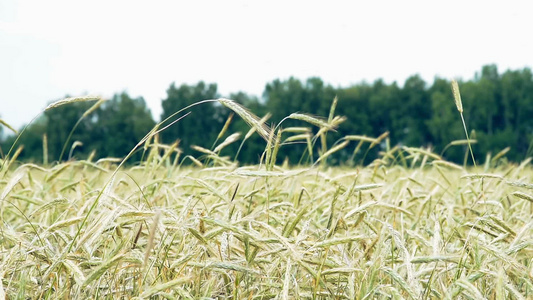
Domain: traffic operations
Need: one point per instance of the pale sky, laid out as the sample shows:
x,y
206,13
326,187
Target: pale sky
x,y
56,47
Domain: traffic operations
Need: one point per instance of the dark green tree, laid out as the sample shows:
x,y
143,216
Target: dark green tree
x,y
59,123
31,141
517,103
120,124
317,97
498,107
354,102
386,111
283,98
290,96
415,110
202,125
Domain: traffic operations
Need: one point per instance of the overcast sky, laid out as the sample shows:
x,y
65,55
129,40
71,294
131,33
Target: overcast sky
x,y
56,47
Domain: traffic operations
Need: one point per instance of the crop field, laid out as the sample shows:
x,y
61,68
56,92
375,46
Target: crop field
x,y
407,226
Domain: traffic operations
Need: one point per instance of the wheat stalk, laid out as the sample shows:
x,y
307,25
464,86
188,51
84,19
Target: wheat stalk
x,y
71,100
459,104
2,122
230,139
248,117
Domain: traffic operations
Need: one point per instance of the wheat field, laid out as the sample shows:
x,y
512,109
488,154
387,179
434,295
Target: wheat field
x,y
408,226
79,230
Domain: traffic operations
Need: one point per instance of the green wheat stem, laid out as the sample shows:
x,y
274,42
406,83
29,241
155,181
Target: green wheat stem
x,y
468,139
459,104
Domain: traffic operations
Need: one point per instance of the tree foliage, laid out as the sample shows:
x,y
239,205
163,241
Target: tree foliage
x,y
120,124
498,109
201,125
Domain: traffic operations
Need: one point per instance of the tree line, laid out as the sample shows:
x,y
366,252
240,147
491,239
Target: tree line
x,y
498,109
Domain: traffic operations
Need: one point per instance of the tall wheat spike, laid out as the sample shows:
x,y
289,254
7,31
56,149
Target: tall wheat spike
x,y
2,122
247,116
71,100
45,149
459,104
